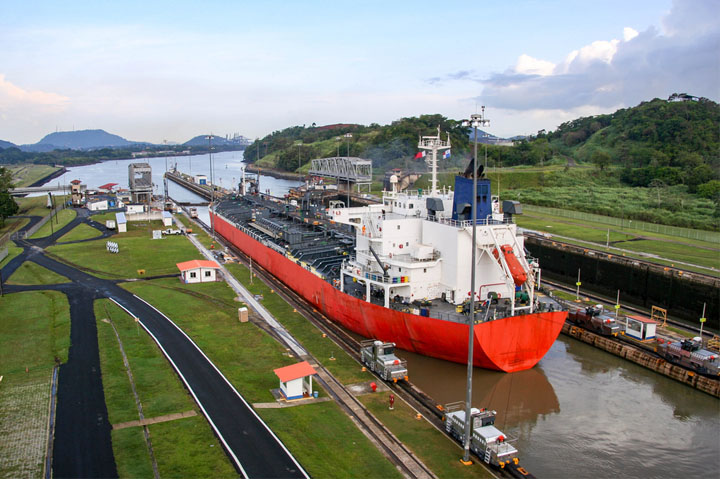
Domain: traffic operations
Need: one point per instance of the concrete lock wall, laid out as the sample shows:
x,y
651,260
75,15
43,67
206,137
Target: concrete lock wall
x,y
641,283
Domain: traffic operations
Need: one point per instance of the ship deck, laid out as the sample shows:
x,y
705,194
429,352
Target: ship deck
x,y
321,246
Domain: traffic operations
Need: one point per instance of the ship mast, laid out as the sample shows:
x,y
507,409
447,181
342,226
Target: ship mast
x,y
434,144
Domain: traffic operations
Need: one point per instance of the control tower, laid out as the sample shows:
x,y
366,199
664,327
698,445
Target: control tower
x,y
140,181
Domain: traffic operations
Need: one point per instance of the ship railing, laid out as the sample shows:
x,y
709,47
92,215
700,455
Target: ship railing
x,y
405,257
461,224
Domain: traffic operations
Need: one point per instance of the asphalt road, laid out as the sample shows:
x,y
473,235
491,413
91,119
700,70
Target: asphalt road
x,y
82,446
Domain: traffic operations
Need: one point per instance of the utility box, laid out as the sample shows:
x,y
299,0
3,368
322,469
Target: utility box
x,y
243,315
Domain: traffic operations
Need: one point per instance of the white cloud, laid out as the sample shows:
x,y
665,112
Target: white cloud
x,y
532,66
629,34
14,97
610,73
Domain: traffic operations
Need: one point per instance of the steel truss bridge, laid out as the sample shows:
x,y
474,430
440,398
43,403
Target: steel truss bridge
x,y
344,168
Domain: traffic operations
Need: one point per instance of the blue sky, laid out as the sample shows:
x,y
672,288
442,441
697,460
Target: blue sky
x,y
155,71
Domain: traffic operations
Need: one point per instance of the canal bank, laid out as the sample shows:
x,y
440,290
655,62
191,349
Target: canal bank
x,y
641,283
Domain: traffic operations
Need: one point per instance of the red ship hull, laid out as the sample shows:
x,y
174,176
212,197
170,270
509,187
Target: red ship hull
x,y
510,344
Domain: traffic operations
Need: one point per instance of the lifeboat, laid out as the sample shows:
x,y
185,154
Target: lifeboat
x,y
516,270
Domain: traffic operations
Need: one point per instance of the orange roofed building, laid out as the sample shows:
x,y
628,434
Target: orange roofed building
x,y
296,380
198,271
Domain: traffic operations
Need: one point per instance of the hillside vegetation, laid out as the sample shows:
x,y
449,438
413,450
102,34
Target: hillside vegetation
x,y
658,161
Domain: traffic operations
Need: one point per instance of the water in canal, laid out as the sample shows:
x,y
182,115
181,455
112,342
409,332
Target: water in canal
x,y
580,413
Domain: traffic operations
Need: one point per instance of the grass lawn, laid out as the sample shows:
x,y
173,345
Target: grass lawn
x,y
438,452
32,273
37,205
156,383
319,449
137,252
26,175
131,452
64,217
34,334
188,448
80,232
671,248
12,252
208,314
43,316
344,368
160,392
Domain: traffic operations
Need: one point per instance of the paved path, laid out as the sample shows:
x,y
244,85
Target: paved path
x,y
155,420
82,446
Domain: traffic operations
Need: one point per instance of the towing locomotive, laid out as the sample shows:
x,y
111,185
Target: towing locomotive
x,y
487,442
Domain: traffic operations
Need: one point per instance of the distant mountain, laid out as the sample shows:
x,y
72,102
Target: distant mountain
x,y
79,140
201,140
7,144
485,137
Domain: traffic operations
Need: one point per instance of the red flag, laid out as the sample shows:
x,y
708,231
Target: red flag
x,y
420,154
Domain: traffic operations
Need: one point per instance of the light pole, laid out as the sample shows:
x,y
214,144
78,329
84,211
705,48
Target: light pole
x,y
347,137
338,139
212,186
474,121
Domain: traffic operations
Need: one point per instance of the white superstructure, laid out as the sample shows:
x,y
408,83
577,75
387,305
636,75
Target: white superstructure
x,y
409,246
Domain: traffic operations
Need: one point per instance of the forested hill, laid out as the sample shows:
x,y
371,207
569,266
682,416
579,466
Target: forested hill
x,y
387,145
657,131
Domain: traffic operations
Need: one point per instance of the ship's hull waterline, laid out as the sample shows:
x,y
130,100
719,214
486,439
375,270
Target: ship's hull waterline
x,y
509,344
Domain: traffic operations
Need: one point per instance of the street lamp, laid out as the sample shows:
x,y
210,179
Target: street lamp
x,y
209,138
338,139
347,137
474,121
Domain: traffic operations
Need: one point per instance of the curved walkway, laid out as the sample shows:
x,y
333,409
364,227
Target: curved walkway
x,y
82,446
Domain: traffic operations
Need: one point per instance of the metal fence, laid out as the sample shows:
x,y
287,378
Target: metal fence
x,y
702,235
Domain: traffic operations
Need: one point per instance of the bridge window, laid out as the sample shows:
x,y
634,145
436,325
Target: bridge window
x,y
411,206
398,226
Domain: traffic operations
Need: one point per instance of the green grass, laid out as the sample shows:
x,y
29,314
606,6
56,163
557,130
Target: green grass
x,y
346,369
337,449
208,314
131,453
12,252
156,383
80,232
438,452
64,217
26,175
160,392
137,252
35,331
32,273
37,205
187,448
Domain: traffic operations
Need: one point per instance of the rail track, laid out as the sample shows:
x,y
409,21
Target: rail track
x,y
423,404
610,301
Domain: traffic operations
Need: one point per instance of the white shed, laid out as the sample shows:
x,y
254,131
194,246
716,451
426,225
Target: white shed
x,y
201,179
167,218
296,380
121,222
639,327
98,205
135,208
198,271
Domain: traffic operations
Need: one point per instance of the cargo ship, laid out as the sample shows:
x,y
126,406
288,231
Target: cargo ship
x,y
400,270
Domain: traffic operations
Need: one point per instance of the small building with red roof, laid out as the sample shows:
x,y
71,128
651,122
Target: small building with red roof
x,y
198,271
640,327
296,380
